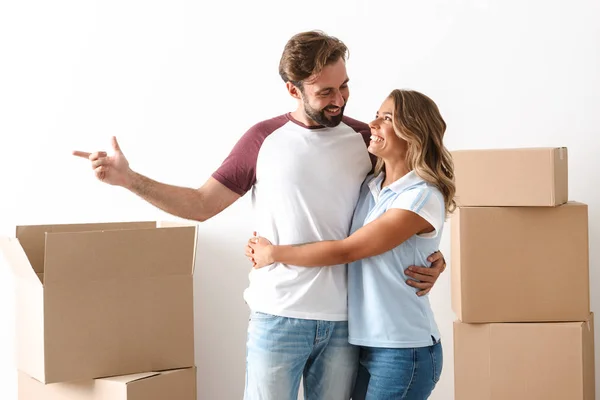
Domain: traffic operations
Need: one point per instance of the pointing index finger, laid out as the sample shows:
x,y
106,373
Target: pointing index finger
x,y
82,154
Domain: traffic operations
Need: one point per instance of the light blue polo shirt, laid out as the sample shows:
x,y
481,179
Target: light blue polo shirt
x,y
383,310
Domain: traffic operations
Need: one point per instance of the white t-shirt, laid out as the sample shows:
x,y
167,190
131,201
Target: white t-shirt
x,y
305,183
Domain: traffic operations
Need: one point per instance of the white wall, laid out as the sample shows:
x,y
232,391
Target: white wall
x,y
178,82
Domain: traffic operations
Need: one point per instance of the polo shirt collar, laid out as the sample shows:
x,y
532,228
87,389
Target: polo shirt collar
x,y
398,186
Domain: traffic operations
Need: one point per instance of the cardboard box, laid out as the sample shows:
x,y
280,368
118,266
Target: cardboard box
x,y
172,385
511,177
520,264
96,300
524,361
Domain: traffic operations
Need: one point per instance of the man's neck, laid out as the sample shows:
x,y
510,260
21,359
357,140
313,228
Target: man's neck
x,y
300,116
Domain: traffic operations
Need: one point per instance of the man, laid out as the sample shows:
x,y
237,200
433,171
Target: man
x,y
305,169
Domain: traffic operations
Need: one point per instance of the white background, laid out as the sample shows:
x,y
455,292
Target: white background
x,y
179,82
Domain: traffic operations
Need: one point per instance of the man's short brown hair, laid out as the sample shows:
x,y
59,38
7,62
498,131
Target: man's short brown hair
x,y
306,53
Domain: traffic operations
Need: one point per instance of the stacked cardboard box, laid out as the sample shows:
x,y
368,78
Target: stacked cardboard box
x,y
104,311
520,278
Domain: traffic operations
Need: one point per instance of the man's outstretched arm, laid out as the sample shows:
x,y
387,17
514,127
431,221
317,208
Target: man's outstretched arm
x,y
194,204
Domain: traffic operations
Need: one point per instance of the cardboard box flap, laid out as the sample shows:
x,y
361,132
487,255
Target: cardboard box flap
x,y
32,237
29,308
119,254
179,386
179,224
125,379
17,260
572,203
175,384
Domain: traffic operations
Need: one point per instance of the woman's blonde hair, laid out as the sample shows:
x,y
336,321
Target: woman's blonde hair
x,y
417,120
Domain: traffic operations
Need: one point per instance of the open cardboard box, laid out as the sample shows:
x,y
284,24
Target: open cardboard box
x,y
97,300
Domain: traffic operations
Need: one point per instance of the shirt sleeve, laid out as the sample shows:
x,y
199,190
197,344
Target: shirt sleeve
x,y
238,170
426,202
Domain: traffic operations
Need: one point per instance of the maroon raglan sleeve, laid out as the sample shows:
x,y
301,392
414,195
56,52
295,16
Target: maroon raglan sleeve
x,y
238,170
365,131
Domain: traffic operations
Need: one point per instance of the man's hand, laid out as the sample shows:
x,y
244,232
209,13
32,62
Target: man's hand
x,y
113,169
424,278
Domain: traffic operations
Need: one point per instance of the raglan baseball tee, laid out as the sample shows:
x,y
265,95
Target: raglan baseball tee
x,y
305,183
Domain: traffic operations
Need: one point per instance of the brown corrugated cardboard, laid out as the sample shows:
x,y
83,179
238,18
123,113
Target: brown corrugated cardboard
x,y
511,177
524,361
115,299
520,264
172,385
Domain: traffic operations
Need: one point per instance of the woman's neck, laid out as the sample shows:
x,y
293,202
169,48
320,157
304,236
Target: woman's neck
x,y
394,170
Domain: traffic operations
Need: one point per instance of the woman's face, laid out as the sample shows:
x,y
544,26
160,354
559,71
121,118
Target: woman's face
x,y
384,141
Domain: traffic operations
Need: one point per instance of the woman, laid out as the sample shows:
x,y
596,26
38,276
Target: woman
x,y
397,222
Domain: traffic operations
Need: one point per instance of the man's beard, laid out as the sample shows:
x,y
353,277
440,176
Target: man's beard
x,y
319,115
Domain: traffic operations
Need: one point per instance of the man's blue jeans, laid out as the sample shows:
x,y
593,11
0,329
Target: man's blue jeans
x,y
281,350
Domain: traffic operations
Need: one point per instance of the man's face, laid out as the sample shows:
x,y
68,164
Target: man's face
x,y
324,97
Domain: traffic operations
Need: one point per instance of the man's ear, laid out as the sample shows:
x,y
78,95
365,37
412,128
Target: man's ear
x,y
293,90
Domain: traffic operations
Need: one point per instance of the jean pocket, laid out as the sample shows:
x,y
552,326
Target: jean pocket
x,y
259,316
437,360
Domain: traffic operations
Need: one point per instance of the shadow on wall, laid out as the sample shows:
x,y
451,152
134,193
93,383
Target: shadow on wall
x,y
221,315
592,174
